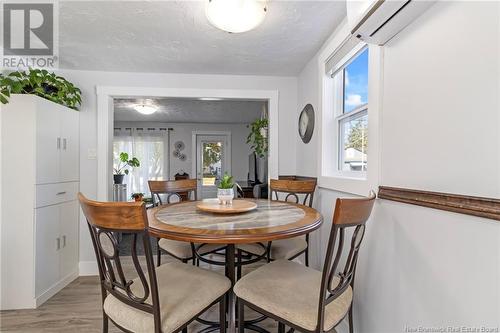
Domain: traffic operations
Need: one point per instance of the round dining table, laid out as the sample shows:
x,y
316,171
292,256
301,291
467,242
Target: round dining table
x,y
270,221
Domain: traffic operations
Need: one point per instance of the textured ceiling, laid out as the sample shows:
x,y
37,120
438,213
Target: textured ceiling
x,y
175,37
182,110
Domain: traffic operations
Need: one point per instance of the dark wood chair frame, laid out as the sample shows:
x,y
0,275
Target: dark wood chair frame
x,y
292,187
105,220
349,213
174,188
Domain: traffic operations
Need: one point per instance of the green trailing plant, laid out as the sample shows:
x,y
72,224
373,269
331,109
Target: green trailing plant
x,y
124,162
258,141
226,182
42,83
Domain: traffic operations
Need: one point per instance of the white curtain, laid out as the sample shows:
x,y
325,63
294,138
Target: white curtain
x,y
149,146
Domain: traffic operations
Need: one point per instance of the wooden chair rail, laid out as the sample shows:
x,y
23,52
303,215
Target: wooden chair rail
x,y
463,204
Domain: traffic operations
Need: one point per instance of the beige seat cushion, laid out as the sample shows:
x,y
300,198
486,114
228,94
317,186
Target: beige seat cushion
x,y
184,290
183,250
280,249
291,292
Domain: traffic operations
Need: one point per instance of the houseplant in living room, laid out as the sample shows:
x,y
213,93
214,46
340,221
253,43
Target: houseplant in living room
x,y
137,196
121,168
225,192
258,136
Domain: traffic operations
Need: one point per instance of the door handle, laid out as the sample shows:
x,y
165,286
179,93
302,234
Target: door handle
x,y
64,240
58,241
64,143
61,193
58,143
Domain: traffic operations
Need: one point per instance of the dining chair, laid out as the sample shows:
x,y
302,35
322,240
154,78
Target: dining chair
x,y
162,299
180,189
287,189
301,297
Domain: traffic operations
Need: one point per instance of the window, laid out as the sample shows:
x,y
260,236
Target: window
x,y
149,146
350,106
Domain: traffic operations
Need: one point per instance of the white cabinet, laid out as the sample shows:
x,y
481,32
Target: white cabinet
x,y
47,248
47,146
68,233
39,207
57,144
69,151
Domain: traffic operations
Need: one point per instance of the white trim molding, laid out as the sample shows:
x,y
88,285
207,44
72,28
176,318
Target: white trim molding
x,y
105,95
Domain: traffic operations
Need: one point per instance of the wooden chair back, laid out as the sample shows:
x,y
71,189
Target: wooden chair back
x,y
293,188
349,213
104,220
173,188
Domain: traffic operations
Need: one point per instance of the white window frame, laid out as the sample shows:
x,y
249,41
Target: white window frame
x,y
330,177
338,109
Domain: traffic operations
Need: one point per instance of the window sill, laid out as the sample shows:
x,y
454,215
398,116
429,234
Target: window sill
x,y
347,184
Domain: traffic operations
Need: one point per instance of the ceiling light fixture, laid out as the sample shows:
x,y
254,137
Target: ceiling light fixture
x,y
235,15
146,108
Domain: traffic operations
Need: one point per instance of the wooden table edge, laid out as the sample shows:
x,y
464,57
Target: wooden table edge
x,y
236,237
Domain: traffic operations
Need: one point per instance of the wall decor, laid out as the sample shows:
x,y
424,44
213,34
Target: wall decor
x,y
178,146
306,123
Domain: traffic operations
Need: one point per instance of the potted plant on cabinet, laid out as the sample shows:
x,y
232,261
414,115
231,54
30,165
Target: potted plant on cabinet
x,y
137,196
42,83
225,192
121,168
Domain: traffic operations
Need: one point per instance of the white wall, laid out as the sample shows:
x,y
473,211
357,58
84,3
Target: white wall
x,y
88,80
183,132
440,125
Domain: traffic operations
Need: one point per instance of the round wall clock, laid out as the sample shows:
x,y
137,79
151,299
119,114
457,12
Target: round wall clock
x,y
306,123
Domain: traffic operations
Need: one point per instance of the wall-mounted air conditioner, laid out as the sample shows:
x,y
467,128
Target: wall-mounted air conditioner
x,y
376,22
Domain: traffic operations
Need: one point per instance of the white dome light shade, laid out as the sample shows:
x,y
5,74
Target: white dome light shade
x,y
146,108
235,15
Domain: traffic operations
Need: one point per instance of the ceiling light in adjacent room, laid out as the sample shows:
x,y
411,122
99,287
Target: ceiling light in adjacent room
x,y
146,108
235,15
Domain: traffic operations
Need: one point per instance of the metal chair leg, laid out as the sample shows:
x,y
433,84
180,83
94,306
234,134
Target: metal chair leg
x,y
222,314
351,326
185,330
306,253
281,328
241,316
238,266
105,323
158,254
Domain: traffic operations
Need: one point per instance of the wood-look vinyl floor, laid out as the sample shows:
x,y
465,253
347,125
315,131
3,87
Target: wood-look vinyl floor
x,y
77,308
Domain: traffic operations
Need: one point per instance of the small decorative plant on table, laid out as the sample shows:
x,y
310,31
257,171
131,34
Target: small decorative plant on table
x,y
137,196
121,168
225,192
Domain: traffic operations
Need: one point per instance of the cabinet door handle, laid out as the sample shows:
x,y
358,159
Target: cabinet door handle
x,y
61,193
58,143
58,240
64,240
64,143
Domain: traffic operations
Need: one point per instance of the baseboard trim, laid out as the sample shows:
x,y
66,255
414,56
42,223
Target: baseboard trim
x,y
88,268
55,289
